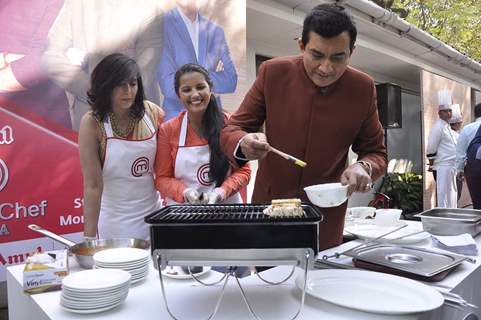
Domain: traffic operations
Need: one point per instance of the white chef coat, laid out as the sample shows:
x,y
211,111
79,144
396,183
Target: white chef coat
x,y
442,144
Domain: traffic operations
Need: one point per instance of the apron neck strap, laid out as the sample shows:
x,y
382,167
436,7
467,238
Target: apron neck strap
x,y
183,131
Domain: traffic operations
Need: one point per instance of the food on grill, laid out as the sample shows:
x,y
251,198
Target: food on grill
x,y
284,208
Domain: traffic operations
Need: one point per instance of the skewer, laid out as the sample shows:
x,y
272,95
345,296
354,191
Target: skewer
x,y
288,157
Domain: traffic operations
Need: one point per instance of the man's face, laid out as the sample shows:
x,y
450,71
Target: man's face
x,y
445,114
188,5
326,59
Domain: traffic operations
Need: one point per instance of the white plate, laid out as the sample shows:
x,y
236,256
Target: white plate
x,y
121,256
96,310
96,280
371,291
181,275
371,231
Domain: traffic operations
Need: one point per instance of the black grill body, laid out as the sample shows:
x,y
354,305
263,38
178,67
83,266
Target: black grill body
x,y
231,226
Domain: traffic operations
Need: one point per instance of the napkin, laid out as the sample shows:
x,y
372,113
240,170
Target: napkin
x,y
462,244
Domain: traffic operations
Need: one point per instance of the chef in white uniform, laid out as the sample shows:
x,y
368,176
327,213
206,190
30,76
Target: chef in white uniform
x,y
117,142
190,166
441,152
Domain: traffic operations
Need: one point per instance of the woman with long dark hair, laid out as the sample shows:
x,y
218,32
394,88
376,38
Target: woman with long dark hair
x,y
117,143
190,165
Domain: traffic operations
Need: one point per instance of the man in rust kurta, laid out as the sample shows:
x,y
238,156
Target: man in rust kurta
x,y
314,107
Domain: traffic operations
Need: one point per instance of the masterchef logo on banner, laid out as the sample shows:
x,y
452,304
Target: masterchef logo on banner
x,y
3,174
40,178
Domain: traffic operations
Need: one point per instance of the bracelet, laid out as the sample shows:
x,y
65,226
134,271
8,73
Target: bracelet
x,y
366,166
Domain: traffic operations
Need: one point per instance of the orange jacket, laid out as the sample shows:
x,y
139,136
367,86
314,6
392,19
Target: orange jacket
x,y
167,146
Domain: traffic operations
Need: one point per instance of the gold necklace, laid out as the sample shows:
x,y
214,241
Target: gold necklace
x,y
119,132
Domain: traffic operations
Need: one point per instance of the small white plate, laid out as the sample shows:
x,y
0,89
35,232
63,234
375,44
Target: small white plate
x,y
96,280
96,310
180,274
371,291
121,256
371,231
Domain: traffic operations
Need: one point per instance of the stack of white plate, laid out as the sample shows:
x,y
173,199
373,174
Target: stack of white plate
x,y
136,261
92,291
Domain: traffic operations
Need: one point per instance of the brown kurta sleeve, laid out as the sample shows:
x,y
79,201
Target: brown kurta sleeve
x,y
369,143
247,119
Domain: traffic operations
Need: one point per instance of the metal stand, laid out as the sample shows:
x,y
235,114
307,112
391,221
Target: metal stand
x,y
305,260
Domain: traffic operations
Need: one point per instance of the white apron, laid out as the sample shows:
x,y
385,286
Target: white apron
x,y
129,193
192,167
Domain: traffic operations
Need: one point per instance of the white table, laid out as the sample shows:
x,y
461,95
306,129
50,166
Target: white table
x,y
190,300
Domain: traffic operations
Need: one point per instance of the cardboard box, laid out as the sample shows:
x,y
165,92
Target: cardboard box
x,y
45,271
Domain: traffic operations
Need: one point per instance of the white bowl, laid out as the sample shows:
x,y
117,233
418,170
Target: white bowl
x,y
362,212
327,194
387,217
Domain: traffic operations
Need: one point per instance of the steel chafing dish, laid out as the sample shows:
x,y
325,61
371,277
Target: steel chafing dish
x,y
450,222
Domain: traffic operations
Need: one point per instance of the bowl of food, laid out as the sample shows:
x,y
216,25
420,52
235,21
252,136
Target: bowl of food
x,y
327,194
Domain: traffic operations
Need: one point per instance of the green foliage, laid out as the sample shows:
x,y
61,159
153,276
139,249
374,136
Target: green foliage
x,y
405,191
455,22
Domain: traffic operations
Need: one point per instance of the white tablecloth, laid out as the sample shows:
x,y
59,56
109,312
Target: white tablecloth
x,y
190,300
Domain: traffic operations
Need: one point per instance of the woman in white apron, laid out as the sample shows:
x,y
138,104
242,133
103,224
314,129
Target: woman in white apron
x,y
117,143
190,166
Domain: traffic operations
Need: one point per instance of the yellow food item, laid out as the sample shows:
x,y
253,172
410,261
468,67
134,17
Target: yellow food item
x,y
284,208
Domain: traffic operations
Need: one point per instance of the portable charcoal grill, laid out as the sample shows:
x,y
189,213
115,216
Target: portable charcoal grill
x,y
232,235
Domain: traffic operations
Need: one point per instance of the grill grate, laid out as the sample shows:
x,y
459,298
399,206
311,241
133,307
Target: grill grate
x,y
228,213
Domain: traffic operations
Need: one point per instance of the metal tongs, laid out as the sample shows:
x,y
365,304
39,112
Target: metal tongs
x,y
365,243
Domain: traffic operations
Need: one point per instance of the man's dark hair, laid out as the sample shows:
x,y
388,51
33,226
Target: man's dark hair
x,y
329,20
477,110
114,70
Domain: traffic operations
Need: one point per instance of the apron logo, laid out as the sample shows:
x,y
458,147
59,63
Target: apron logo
x,y
3,174
140,166
203,175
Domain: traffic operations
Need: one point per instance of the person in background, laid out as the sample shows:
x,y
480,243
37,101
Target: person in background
x,y
190,37
315,106
456,123
24,86
441,153
190,166
86,31
117,143
468,156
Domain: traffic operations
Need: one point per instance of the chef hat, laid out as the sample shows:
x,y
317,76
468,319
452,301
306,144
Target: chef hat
x,y
444,99
457,116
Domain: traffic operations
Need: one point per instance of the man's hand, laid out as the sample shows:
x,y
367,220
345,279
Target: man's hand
x,y
461,175
357,179
254,146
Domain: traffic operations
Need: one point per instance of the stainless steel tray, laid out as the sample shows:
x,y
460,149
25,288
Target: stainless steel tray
x,y
414,260
450,222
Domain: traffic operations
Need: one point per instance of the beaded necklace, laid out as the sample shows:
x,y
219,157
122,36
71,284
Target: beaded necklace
x,y
119,132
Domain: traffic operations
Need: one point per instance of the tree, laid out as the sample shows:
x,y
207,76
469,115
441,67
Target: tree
x,y
455,22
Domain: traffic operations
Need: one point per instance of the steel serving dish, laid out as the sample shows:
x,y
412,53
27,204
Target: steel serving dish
x,y
411,260
451,222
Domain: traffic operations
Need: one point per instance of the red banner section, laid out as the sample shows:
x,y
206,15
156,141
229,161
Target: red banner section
x,y
40,179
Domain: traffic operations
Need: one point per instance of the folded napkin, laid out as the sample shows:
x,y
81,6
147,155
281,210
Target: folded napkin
x,y
462,244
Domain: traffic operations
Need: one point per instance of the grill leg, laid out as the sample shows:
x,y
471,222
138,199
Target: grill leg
x,y
227,277
301,306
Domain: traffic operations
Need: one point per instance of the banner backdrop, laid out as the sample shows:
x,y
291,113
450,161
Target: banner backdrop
x,y
48,48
